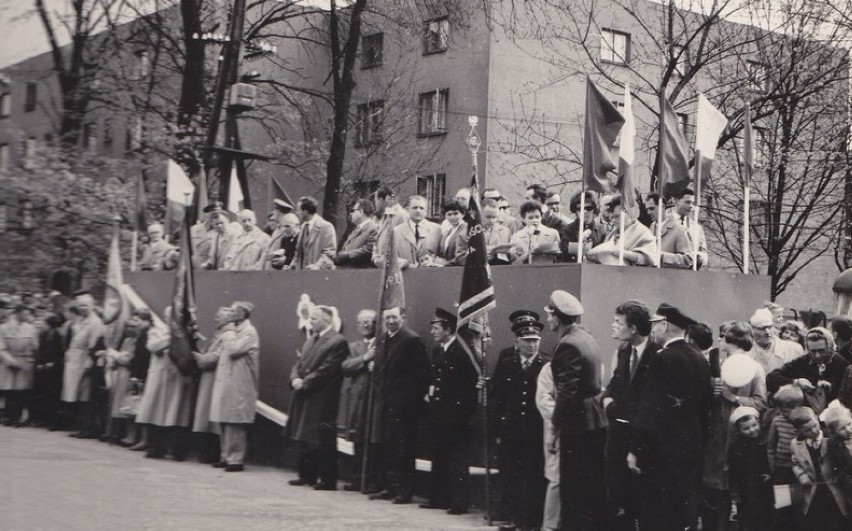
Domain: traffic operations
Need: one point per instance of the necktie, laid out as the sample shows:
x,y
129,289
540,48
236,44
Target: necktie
x,y
634,361
526,365
302,239
215,257
417,234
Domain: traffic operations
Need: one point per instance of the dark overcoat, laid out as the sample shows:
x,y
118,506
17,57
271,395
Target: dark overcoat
x,y
576,367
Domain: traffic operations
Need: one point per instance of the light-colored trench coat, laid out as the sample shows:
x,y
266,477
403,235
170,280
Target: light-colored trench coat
x,y
167,399
85,333
235,389
207,363
545,401
18,343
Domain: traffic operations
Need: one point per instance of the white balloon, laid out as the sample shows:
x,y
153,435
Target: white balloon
x,y
738,370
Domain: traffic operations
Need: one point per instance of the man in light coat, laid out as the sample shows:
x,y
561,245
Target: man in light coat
x,y
317,241
18,345
86,335
315,380
156,253
203,235
235,389
247,250
416,240
357,249
679,234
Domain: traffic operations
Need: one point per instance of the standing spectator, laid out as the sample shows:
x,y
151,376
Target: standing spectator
x,y
679,233
452,403
235,389
594,233
648,208
506,219
246,251
549,218
632,327
416,240
47,384
357,249
840,452
315,247
118,363
138,369
750,480
219,241
271,223
404,375
451,231
535,238
518,426
545,401
497,237
354,391
86,334
794,331
671,426
841,327
770,351
639,244
781,432
823,505
578,414
155,255
554,202
18,345
207,362
282,246
388,215
315,380
203,235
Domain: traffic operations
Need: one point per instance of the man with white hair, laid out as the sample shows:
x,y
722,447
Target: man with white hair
x,y
282,242
86,337
155,254
769,350
247,250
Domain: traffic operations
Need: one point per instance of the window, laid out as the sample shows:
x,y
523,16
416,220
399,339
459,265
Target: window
x,y
372,48
141,65
29,151
369,127
32,95
108,138
683,123
4,157
615,47
758,76
5,104
433,112
90,137
133,135
435,35
432,187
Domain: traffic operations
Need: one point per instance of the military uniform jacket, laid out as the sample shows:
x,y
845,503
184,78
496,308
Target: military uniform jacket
x,y
673,415
452,395
513,412
576,367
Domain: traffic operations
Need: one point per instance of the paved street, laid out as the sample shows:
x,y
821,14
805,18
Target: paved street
x,y
51,481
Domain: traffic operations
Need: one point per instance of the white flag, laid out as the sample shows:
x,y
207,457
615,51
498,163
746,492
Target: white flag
x,y
710,123
235,193
179,188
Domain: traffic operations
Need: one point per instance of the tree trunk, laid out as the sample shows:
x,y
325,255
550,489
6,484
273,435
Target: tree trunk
x,y
192,85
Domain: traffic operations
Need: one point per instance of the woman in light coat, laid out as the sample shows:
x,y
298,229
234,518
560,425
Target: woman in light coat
x,y
18,344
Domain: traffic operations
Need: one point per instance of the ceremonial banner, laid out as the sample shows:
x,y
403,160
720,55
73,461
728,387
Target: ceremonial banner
x,y
627,153
710,123
200,200
235,192
602,124
477,291
179,190
674,152
748,146
183,324
116,306
278,192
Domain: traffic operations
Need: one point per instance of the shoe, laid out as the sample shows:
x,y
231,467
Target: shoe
x,y
371,490
456,510
299,482
401,500
180,458
508,526
383,495
352,487
220,464
87,435
138,447
325,486
234,468
150,454
430,505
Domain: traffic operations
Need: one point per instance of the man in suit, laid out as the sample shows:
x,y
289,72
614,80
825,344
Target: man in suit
x,y
315,380
402,385
632,327
594,232
578,415
453,227
247,250
670,427
155,254
203,234
282,242
416,240
549,218
317,241
388,215
517,425
357,249
680,232
452,402
495,235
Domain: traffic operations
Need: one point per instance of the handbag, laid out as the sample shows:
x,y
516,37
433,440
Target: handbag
x,y
130,402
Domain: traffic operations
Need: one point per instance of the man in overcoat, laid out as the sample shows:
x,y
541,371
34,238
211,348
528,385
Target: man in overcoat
x,y
357,249
246,251
670,429
315,380
632,327
235,389
86,335
452,403
416,240
578,415
18,345
317,241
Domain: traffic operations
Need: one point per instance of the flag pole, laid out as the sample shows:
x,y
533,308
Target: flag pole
x,y
581,227
621,236
694,228
660,182
746,228
134,248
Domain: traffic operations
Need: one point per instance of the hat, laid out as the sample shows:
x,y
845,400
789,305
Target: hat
x,y
81,292
742,412
528,330
215,206
244,305
492,194
564,303
519,316
282,206
762,317
443,316
672,314
143,313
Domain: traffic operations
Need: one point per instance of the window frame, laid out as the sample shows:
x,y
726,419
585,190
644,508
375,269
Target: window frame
x,y
615,33
426,186
369,124
31,96
5,104
5,156
437,113
442,31
753,68
371,43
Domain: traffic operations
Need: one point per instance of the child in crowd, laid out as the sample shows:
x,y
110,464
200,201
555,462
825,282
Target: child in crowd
x,y
823,505
748,471
840,450
781,432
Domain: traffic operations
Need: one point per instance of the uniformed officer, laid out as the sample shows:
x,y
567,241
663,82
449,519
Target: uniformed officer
x,y
452,402
518,426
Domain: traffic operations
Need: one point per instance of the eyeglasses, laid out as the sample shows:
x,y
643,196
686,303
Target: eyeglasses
x,y
552,203
589,208
504,208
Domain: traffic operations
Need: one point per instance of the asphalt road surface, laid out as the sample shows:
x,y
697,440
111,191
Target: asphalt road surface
x,y
50,481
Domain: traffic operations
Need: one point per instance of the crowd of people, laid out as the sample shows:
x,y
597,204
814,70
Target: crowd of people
x,y
756,429
297,237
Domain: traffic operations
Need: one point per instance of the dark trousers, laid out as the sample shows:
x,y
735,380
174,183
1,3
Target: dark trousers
x,y
449,481
522,481
15,401
715,509
401,443
672,496
623,486
583,495
170,439
318,463
44,404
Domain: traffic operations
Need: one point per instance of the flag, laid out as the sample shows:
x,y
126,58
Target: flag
x,y
116,306
673,171
278,192
710,123
139,207
603,122
627,153
183,324
748,145
235,192
179,190
200,199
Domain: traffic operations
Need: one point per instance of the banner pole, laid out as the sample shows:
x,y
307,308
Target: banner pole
x,y
582,224
694,228
134,248
621,237
746,228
